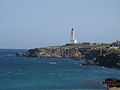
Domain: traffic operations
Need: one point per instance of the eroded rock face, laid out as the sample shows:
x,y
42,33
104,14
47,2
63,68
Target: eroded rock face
x,y
54,52
110,59
94,53
104,57
101,56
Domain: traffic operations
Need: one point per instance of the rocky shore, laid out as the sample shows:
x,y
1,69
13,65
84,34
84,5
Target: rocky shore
x,y
108,57
103,56
53,52
113,83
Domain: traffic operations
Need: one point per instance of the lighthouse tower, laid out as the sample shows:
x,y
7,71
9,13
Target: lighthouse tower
x,y
72,37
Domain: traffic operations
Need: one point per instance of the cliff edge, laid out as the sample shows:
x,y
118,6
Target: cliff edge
x,y
103,56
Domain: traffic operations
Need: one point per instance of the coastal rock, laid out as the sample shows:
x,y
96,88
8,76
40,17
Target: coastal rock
x,y
108,57
92,54
88,62
54,52
19,54
115,82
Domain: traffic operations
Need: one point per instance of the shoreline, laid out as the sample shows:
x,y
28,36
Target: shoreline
x,y
110,57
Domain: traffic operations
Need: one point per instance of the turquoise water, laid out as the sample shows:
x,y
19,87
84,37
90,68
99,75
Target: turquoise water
x,y
25,73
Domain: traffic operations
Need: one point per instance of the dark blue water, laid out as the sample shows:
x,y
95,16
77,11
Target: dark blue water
x,y
24,73
11,51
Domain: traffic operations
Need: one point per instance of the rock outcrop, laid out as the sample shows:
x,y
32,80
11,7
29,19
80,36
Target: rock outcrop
x,y
114,82
56,52
107,57
110,59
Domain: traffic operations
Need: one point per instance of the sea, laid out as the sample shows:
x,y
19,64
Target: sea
x,y
28,73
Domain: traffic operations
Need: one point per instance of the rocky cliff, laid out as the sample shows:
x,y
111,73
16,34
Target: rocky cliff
x,y
110,59
56,52
107,57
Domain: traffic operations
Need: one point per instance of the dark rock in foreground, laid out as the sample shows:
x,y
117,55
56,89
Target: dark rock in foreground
x,y
114,82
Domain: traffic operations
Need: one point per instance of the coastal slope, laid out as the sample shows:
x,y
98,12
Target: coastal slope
x,y
103,56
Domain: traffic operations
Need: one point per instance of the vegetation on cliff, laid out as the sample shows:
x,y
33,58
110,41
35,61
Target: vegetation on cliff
x,y
101,55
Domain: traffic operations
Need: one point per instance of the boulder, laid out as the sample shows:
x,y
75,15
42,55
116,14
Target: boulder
x,y
115,82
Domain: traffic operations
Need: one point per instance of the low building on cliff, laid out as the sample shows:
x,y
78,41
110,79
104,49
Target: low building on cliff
x,y
115,44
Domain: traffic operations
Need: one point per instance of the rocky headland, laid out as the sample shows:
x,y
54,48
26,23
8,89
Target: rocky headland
x,y
103,56
53,52
108,57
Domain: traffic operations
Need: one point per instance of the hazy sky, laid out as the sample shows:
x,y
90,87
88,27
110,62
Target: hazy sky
x,y
38,23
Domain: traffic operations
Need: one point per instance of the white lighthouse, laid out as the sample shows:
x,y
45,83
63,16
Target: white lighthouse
x,y
72,37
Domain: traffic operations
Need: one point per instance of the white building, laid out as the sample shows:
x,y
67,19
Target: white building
x,y
72,37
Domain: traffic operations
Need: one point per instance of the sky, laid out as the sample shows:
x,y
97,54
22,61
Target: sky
x,y
41,23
